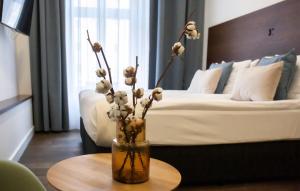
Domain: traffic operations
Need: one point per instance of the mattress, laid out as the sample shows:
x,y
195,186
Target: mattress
x,y
184,118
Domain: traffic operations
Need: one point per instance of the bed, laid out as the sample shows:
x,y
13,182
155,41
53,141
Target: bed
x,y
210,138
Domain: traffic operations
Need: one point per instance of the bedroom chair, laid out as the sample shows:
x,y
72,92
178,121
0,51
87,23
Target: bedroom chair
x,y
16,177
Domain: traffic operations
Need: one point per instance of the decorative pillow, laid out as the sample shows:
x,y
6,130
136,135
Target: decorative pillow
x,y
294,91
205,81
257,83
288,72
226,70
235,68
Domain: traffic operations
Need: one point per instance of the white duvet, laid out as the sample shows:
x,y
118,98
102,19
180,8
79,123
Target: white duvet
x,y
183,118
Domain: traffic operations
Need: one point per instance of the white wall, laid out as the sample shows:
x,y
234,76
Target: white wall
x,y
16,126
8,78
23,64
15,131
219,11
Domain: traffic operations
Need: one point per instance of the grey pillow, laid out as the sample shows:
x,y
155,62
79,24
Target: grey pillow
x,y
287,74
226,70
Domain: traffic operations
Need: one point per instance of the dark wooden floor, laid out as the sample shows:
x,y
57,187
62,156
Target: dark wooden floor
x,y
47,149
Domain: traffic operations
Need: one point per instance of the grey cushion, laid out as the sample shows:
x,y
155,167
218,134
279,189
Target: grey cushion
x,y
288,72
226,70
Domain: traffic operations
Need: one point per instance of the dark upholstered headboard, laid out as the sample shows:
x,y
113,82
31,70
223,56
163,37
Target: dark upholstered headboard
x,y
269,31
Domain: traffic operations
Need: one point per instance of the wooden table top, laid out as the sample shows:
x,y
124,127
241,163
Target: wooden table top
x,y
93,173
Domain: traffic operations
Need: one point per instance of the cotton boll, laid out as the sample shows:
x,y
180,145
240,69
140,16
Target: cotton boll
x,y
121,98
139,122
139,93
125,110
101,72
144,102
136,125
157,97
114,113
103,86
109,98
130,81
194,34
129,72
178,48
191,23
191,30
191,27
97,47
157,94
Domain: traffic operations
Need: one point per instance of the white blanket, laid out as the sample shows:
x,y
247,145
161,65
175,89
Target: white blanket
x,y
183,118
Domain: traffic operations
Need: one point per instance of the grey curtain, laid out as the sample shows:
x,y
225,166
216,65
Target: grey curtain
x,y
48,66
167,18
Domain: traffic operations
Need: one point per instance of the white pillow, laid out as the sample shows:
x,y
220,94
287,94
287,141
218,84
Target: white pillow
x,y
235,68
205,82
254,63
294,91
257,83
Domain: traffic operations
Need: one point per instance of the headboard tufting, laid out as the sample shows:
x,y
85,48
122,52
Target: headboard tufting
x,y
269,31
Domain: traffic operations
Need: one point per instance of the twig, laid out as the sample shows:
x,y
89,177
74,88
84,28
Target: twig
x,y
89,40
123,164
132,158
183,31
192,13
172,56
128,152
107,66
147,108
98,60
181,34
140,157
108,69
165,70
133,86
170,62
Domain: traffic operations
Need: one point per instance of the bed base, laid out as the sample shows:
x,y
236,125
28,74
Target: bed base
x,y
225,163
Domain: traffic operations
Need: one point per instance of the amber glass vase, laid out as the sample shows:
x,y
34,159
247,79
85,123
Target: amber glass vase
x,y
130,153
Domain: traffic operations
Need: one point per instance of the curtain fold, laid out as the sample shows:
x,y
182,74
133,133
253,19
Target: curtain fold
x,y
48,66
167,19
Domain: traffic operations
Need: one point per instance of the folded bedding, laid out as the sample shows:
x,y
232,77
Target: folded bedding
x,y
185,118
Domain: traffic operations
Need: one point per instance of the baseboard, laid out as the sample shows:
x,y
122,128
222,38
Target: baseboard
x,y
22,146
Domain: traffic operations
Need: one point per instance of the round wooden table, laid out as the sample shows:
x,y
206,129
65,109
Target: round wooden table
x,y
93,172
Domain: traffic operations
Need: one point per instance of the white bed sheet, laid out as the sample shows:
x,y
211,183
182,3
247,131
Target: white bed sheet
x,y
184,118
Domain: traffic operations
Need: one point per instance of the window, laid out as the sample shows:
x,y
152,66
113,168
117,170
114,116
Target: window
x,y
121,27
